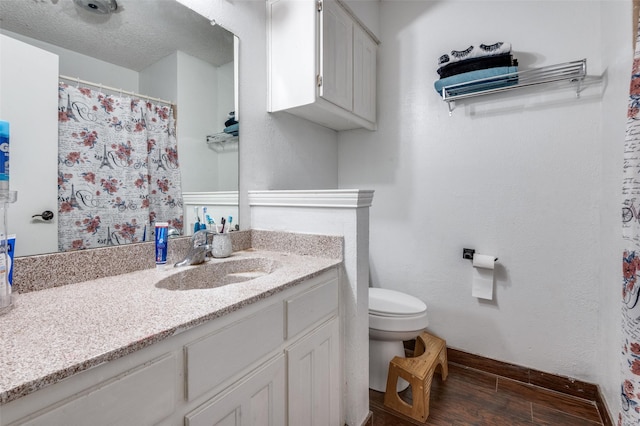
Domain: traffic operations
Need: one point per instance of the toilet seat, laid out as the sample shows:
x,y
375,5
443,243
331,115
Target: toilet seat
x,y
409,323
393,311
385,302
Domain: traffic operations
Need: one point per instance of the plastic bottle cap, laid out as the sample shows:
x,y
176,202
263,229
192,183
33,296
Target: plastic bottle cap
x,y
4,128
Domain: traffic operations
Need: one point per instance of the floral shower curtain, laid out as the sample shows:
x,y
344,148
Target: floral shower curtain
x,y
117,169
630,387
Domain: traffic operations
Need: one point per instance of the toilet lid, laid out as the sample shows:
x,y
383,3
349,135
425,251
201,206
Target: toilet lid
x,y
383,301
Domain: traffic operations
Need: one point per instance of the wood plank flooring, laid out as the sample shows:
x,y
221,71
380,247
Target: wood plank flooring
x,y
473,397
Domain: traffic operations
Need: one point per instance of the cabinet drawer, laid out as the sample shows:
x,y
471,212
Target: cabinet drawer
x,y
310,307
218,356
144,395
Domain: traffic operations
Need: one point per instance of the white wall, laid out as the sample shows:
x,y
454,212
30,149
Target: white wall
x,y
226,95
515,175
76,65
227,161
197,118
277,151
160,80
367,12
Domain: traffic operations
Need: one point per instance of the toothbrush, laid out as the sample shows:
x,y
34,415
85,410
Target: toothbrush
x,y
196,226
222,221
212,223
203,225
229,220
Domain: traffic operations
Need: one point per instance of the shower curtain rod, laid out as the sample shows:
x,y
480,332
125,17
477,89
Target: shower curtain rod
x,y
113,89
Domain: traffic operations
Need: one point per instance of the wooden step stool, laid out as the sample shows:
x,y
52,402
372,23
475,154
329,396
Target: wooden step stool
x,y
430,353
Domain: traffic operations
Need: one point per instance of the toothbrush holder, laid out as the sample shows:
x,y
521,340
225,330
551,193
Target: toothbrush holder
x,y
221,245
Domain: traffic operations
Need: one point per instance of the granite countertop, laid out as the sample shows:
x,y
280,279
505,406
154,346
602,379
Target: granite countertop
x,y
54,333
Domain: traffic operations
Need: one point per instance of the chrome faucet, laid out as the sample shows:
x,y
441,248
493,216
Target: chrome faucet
x,y
173,232
198,250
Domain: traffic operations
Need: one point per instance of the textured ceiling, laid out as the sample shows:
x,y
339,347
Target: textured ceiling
x,y
136,35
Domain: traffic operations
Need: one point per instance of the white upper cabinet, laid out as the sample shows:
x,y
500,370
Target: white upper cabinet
x,y
337,56
322,63
364,74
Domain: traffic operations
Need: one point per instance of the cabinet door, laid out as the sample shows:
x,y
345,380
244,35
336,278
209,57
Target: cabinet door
x,y
336,55
364,74
314,371
256,400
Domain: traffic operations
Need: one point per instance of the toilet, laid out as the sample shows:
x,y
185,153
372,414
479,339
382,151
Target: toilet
x,y
393,318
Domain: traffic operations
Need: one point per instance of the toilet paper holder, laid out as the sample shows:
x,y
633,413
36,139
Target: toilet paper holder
x,y
468,253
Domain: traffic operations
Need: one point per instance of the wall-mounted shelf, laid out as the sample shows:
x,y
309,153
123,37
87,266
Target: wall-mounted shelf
x,y
223,142
573,72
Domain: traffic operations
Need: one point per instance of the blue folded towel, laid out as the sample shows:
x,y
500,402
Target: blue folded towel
x,y
232,128
500,80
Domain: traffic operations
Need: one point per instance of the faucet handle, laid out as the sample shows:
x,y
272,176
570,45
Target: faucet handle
x,y
200,238
173,232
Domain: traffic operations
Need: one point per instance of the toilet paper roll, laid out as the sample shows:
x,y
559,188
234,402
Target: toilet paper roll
x,y
483,266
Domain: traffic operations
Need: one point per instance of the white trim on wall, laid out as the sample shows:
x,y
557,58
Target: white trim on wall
x,y
219,198
330,198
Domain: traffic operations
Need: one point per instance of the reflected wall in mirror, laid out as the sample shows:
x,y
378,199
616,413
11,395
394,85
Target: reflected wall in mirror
x,y
158,48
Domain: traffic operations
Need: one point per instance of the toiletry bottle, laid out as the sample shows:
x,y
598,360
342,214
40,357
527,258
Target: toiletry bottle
x,y
4,155
162,231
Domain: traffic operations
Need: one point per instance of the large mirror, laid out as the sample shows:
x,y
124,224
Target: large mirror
x,y
157,48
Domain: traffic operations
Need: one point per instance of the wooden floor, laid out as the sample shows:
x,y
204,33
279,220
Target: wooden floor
x,y
474,397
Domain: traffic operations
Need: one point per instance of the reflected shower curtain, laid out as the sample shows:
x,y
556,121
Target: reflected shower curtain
x,y
630,386
117,169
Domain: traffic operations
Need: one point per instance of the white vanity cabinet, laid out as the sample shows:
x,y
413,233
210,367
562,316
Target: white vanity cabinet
x,y
273,362
321,63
